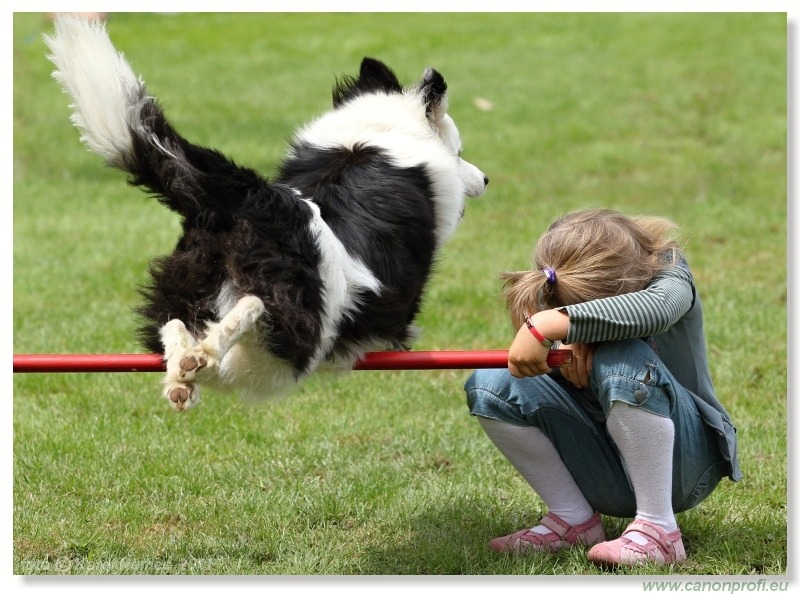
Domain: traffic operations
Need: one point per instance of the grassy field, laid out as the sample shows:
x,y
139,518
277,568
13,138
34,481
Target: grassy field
x,y
381,473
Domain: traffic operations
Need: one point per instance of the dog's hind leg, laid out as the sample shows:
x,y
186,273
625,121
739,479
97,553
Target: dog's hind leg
x,y
177,342
202,360
190,362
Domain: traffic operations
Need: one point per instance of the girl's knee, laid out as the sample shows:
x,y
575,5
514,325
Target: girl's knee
x,y
488,392
486,380
622,351
480,378
632,358
628,370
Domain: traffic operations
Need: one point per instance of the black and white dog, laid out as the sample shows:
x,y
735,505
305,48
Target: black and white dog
x,y
273,279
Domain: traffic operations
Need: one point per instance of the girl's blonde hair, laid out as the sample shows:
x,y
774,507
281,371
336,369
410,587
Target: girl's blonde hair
x,y
590,254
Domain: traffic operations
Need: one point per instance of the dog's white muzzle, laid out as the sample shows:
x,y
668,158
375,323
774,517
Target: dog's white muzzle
x,y
474,179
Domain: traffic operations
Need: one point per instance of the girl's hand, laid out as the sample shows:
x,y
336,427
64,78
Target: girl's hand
x,y
580,369
527,357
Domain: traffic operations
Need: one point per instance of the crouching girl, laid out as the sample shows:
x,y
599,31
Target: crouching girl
x,y
632,427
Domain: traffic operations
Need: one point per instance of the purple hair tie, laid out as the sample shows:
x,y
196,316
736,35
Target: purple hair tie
x,y
550,274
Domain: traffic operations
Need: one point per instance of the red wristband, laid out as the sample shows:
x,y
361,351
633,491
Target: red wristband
x,y
536,334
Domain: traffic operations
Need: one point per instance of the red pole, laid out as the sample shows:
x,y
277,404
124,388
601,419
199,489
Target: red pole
x,y
386,361
86,363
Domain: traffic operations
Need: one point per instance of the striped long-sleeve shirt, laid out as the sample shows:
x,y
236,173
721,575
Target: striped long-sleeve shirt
x,y
669,313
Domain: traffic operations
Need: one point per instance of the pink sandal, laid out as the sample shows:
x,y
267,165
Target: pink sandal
x,y
562,536
661,547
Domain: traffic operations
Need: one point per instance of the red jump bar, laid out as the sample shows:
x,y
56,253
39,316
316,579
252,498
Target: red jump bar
x,y
372,361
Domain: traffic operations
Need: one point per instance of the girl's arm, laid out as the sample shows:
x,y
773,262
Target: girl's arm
x,y
648,312
634,315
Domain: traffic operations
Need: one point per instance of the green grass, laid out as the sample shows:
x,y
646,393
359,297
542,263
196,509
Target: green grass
x,y
373,473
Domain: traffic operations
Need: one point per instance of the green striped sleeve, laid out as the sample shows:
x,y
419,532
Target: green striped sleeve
x,y
635,315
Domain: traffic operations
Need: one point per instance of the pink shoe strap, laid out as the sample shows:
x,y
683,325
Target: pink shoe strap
x,y
665,541
569,533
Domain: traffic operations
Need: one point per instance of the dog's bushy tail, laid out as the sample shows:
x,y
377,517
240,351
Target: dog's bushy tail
x,y
124,125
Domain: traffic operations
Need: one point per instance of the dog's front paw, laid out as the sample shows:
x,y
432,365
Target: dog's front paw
x,y
182,396
192,363
195,363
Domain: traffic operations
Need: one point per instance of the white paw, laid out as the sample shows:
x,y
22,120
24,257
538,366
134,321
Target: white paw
x,y
182,396
195,363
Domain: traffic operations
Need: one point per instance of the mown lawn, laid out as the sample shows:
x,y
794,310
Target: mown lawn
x,y
380,473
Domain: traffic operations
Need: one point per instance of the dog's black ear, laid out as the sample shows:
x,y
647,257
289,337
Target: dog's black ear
x,y
374,76
434,92
377,76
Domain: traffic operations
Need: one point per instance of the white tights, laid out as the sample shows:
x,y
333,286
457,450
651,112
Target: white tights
x,y
644,441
